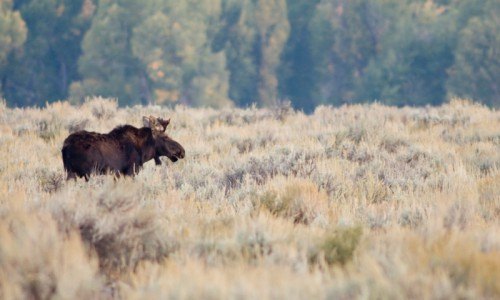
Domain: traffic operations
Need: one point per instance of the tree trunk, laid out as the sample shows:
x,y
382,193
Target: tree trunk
x,y
63,84
145,92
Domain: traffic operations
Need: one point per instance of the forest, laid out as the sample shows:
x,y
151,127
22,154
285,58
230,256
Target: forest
x,y
222,53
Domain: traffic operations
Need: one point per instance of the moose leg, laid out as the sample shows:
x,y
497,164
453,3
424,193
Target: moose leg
x,y
71,175
157,161
127,172
131,170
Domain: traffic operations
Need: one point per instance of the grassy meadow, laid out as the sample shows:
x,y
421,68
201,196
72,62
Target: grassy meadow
x,y
356,202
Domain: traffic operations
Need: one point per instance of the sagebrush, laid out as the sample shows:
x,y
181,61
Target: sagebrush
x,y
363,201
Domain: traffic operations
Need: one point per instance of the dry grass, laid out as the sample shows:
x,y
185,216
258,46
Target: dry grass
x,y
362,201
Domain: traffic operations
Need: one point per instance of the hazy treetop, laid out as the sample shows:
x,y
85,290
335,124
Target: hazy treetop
x,y
239,52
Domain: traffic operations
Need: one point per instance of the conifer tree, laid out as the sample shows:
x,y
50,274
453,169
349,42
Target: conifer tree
x,y
107,65
476,70
12,36
253,35
297,78
47,65
173,48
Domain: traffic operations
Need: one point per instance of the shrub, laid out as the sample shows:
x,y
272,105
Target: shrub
x,y
393,144
38,262
297,200
50,181
113,222
48,129
254,244
77,124
101,108
338,246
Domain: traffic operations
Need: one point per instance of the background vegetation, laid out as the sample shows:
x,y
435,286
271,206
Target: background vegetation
x,y
239,52
357,202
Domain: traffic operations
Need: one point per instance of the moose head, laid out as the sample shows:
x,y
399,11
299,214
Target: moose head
x,y
164,145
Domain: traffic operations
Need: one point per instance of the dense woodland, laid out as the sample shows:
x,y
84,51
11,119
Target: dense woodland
x,y
240,52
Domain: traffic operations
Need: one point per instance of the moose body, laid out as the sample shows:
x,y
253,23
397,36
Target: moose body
x,y
122,151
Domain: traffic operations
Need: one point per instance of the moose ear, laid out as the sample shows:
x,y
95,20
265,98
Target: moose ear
x,y
150,122
164,123
145,122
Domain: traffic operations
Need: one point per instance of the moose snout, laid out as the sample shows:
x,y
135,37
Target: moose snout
x,y
181,153
177,154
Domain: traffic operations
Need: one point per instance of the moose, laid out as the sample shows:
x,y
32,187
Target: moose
x,y
122,151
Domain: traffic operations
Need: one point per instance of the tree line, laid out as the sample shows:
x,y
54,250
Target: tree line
x,y
239,52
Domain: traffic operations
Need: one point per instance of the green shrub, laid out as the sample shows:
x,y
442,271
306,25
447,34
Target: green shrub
x,y
338,247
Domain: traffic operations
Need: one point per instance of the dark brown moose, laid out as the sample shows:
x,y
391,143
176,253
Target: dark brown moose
x,y
122,151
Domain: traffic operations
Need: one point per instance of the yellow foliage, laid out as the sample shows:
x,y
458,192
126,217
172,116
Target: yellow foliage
x,y
166,96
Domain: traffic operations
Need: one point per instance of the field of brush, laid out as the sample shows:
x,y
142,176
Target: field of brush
x,y
363,201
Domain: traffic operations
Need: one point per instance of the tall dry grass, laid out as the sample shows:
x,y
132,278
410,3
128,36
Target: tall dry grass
x,y
361,201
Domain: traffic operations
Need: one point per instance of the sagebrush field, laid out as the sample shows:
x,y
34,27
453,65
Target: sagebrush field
x,y
362,201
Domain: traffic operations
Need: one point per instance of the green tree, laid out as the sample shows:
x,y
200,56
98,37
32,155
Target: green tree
x,y
173,47
253,34
396,52
12,36
154,52
47,65
476,70
272,29
344,39
107,65
297,80
415,52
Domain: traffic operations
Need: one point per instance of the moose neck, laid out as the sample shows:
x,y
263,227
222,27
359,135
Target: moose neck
x,y
148,154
